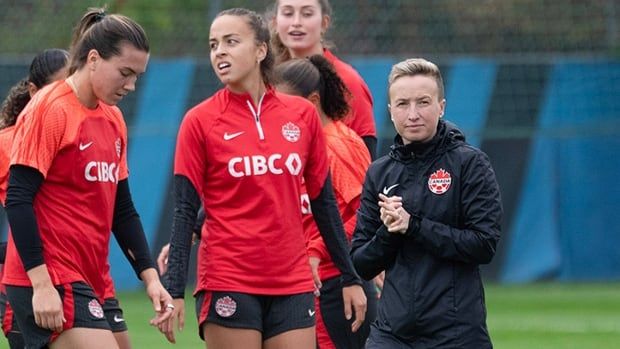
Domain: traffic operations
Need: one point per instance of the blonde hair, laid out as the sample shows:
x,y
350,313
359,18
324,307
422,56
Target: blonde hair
x,y
417,66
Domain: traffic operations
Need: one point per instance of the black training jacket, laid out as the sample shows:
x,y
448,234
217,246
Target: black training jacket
x,y
433,295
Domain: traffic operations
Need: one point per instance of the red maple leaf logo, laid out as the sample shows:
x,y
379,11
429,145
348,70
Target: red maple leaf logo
x,y
439,182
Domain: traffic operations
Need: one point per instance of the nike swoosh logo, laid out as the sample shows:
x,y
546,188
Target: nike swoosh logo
x,y
84,146
230,136
311,312
386,190
118,318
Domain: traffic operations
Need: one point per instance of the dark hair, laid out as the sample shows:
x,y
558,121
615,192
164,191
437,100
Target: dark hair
x,y
43,67
104,33
14,103
280,50
316,74
261,35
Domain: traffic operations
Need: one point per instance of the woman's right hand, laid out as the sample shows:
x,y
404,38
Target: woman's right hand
x,y
355,303
388,209
162,259
47,307
46,301
314,266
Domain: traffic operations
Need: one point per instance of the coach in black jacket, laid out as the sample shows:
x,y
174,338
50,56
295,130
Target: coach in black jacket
x,y
429,216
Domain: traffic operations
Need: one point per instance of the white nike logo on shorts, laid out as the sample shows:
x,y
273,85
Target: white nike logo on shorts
x,y
311,312
118,318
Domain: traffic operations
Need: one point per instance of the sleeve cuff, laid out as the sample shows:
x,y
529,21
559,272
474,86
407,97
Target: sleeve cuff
x,y
414,225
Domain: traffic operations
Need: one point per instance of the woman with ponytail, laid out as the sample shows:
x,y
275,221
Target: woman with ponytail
x,y
243,153
315,79
68,189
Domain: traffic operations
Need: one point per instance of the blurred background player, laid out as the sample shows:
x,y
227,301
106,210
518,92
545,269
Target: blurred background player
x,y
314,78
69,151
430,216
46,67
299,28
243,152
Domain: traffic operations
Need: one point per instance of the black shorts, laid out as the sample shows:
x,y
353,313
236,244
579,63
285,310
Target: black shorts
x,y
9,324
271,315
114,315
338,328
80,308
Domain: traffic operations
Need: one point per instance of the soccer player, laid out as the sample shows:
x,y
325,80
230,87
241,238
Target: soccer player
x,y
430,215
299,29
46,67
68,189
315,79
243,153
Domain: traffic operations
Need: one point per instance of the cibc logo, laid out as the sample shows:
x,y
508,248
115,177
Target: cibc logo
x,y
257,165
101,171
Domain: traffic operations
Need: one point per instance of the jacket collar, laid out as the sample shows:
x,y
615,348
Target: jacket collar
x,y
447,137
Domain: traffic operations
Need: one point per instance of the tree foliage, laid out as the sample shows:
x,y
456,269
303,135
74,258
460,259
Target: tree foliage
x,y
369,27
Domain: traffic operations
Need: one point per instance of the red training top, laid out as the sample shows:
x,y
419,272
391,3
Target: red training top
x,y
360,117
348,161
6,140
81,154
246,163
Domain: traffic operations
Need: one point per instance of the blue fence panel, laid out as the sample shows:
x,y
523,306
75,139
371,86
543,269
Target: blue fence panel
x,y
161,106
469,86
567,226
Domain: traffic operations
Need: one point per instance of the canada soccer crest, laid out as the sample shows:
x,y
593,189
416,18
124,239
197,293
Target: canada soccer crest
x,y
291,132
225,307
95,309
439,182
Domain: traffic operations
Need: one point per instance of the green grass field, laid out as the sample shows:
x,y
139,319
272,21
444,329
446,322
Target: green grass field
x,y
540,316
